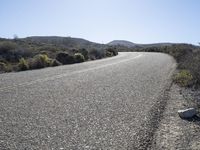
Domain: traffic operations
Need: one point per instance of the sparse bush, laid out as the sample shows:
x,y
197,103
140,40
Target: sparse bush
x,y
65,58
192,63
84,52
2,67
183,78
78,57
23,64
6,46
111,52
40,61
54,63
44,53
5,67
8,51
9,68
96,54
3,60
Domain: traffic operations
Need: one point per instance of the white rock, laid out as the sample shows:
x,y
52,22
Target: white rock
x,y
187,113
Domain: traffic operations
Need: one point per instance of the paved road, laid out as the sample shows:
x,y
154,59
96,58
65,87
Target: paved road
x,y
103,104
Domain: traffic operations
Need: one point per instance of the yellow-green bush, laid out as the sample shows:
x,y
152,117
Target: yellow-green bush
x,y
40,61
183,78
23,64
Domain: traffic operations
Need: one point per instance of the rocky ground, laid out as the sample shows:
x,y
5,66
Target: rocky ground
x,y
174,132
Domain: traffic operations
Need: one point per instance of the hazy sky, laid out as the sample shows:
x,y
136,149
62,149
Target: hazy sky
x,y
139,21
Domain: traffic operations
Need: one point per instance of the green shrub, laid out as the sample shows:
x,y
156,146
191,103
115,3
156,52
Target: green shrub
x,y
111,51
96,54
23,64
3,61
183,78
2,67
65,58
78,57
5,67
6,46
195,67
40,61
191,61
84,52
44,52
109,54
9,51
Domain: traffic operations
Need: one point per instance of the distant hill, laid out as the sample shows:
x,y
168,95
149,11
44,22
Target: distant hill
x,y
122,43
66,42
156,44
134,45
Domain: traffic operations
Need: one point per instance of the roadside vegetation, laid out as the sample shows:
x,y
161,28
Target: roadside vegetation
x,y
40,52
187,57
183,78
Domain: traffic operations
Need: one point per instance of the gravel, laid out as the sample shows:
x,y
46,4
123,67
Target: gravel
x,y
174,132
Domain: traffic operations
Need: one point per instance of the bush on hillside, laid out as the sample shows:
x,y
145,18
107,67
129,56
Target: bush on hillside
x,y
96,54
55,62
23,65
183,78
78,58
192,63
5,67
65,58
8,51
40,61
6,46
2,67
111,52
85,53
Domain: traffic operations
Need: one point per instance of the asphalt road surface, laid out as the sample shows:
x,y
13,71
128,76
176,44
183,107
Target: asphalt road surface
x,y
113,103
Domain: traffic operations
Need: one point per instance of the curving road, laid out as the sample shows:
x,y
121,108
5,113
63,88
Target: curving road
x,y
113,103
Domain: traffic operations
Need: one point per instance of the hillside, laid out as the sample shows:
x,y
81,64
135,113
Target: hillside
x,y
66,42
122,43
45,51
129,44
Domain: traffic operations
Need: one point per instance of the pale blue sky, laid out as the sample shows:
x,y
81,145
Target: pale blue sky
x,y
139,21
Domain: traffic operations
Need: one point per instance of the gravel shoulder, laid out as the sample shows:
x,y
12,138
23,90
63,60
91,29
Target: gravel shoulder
x,y
174,132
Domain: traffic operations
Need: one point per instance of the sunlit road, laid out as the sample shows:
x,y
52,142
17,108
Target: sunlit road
x,y
103,104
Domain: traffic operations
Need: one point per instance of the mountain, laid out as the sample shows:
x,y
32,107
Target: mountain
x,y
122,43
66,42
156,44
134,45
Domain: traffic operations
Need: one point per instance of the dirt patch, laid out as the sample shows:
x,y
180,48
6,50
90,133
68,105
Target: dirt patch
x,y
174,132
